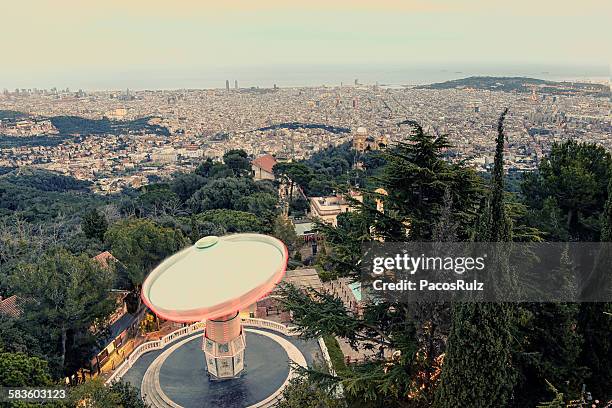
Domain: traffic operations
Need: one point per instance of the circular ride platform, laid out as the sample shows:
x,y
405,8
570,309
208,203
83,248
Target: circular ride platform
x,y
176,378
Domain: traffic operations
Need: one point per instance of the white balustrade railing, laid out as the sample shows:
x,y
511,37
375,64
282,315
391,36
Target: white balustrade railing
x,y
268,324
183,332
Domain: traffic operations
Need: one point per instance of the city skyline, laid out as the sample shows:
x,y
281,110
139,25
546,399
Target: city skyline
x,y
201,44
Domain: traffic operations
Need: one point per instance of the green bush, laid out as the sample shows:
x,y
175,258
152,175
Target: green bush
x,y
335,354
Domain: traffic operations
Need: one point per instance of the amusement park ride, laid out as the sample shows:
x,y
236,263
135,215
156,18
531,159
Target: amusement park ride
x,y
212,281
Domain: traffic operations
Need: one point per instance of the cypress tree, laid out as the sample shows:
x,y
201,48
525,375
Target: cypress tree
x,y
595,319
606,228
595,325
477,369
500,223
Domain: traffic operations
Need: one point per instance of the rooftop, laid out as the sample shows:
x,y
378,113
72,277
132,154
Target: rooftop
x,y
304,228
105,259
9,306
265,162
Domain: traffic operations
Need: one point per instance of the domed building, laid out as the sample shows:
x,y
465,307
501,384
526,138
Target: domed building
x,y
363,142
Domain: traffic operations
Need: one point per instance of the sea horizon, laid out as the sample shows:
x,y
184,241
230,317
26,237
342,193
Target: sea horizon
x,y
305,76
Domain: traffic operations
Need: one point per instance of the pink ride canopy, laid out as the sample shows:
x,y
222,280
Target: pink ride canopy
x,y
215,277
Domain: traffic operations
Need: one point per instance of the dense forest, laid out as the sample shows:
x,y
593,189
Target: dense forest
x,y
448,355
466,354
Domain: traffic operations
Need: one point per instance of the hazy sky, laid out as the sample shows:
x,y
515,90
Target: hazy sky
x,y
57,42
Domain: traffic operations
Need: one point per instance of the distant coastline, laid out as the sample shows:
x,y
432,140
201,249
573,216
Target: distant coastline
x,y
303,76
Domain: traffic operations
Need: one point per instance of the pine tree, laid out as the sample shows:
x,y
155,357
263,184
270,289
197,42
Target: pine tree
x,y
94,225
566,195
429,197
416,178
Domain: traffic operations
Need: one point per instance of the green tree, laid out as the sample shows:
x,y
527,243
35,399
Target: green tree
x,y
303,394
238,161
549,350
501,226
233,221
67,295
223,193
295,172
199,229
155,200
595,319
573,178
94,225
329,169
140,244
477,370
184,185
94,394
262,204
283,230
421,187
299,206
14,337
416,178
344,242
21,370
378,382
128,395
212,170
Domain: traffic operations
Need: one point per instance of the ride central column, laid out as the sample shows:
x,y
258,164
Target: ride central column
x,y
223,345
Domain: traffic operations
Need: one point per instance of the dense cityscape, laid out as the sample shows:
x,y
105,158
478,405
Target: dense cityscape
x,y
289,123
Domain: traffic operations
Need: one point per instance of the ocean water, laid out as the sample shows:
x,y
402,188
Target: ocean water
x,y
309,75
398,74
